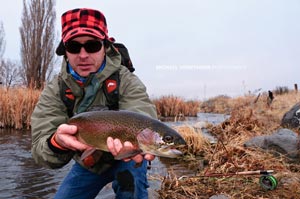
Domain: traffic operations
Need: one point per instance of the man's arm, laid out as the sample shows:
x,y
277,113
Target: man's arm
x,y
48,114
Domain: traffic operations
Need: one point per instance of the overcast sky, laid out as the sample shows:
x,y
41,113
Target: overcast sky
x,y
194,48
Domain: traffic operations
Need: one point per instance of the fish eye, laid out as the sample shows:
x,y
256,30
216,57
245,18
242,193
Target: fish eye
x,y
168,139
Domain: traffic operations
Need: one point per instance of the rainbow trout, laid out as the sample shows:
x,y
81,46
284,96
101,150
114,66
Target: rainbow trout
x,y
147,135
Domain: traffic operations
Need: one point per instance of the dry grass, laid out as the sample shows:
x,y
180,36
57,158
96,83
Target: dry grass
x,y
176,107
248,119
196,142
218,104
16,107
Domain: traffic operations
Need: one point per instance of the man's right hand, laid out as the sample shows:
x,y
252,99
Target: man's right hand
x,y
65,137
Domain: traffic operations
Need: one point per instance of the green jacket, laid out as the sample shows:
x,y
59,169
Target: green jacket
x,y
50,110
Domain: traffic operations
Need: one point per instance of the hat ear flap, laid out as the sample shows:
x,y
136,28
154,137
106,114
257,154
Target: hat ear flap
x,y
61,50
108,42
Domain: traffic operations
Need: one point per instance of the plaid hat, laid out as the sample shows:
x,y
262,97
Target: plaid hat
x,y
83,21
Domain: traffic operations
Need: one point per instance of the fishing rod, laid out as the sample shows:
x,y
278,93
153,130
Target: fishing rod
x,y
258,172
266,181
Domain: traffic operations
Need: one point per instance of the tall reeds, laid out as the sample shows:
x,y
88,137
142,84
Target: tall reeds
x,y
16,106
176,107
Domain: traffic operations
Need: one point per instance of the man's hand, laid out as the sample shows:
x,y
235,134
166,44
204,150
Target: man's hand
x,y
65,137
115,145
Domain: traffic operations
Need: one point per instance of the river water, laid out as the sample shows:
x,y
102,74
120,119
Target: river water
x,y
21,177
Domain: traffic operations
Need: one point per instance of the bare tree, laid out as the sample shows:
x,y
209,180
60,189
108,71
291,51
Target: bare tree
x,y
2,41
37,41
10,73
2,49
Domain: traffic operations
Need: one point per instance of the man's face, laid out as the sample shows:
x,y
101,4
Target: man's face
x,y
81,60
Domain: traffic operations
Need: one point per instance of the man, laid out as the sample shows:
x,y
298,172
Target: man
x,y
90,59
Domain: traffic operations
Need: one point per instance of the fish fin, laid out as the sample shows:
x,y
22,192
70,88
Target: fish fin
x,y
87,153
127,152
90,156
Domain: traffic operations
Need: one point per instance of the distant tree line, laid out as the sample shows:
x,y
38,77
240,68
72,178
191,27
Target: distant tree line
x,y
37,51
280,90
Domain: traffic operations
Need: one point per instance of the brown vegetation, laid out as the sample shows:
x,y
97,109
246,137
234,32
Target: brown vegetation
x,y
260,103
176,107
196,142
16,106
248,119
218,104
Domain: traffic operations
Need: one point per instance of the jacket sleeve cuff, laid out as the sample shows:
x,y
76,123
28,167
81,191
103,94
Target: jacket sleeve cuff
x,y
54,146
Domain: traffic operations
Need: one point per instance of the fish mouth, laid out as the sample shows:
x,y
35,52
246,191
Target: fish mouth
x,y
152,142
162,150
169,151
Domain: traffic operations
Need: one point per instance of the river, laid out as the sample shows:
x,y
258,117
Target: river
x,y
21,177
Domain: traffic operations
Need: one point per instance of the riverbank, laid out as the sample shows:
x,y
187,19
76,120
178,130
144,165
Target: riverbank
x,y
250,117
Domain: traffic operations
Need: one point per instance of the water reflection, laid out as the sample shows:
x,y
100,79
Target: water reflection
x,y
20,176
213,118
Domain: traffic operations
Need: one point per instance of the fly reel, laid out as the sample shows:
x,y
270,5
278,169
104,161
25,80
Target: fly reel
x,y
268,182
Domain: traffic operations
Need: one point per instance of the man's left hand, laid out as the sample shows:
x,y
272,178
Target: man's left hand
x,y
115,145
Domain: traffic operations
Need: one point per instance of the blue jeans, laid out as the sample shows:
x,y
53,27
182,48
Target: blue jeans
x,y
128,182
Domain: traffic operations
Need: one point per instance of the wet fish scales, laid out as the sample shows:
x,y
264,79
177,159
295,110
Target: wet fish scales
x,y
94,128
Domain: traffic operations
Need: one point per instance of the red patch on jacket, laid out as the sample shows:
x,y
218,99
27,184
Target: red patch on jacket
x,y
111,85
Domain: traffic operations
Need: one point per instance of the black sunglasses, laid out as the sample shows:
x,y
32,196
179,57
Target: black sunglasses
x,y
90,46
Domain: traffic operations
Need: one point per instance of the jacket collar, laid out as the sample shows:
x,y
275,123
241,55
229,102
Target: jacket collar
x,y
113,64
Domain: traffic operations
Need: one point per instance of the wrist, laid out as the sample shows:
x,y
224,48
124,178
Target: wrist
x,y
54,146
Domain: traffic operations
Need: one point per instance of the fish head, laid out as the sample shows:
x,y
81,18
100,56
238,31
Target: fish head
x,y
164,142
